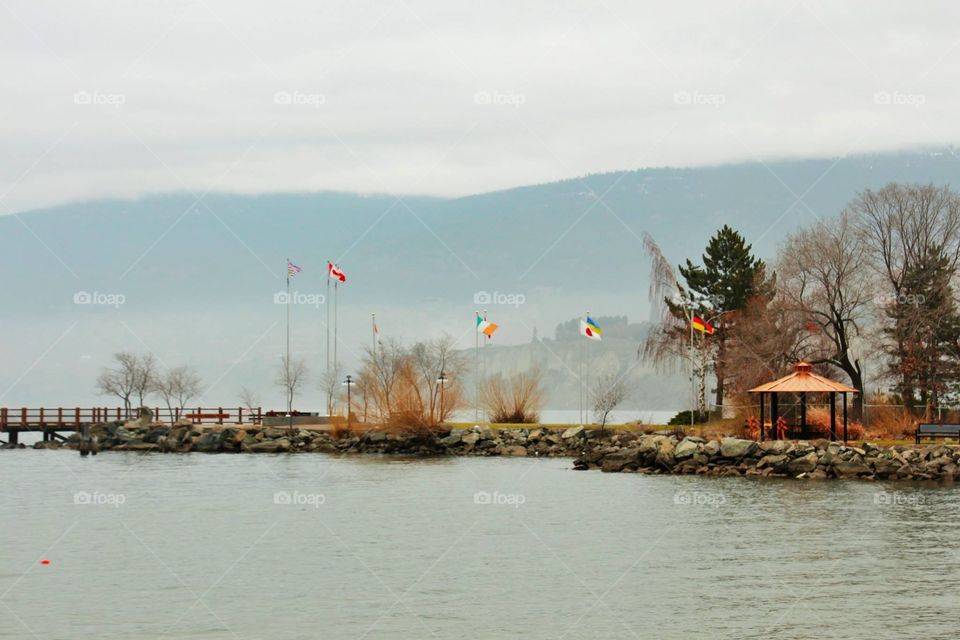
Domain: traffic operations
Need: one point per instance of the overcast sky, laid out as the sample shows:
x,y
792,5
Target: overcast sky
x,y
118,98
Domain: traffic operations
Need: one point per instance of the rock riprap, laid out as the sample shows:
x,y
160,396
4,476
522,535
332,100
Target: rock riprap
x,y
612,451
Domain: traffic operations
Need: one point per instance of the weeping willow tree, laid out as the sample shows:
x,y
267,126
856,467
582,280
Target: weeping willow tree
x,y
670,344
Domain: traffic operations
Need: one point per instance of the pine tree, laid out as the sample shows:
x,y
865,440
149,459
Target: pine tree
x,y
729,278
925,333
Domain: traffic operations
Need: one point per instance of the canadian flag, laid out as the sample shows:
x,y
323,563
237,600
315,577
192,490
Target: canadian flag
x,y
335,272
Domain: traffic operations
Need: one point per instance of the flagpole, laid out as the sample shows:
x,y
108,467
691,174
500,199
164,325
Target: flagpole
x,y
287,363
476,402
328,328
373,329
580,381
336,312
586,393
486,417
693,383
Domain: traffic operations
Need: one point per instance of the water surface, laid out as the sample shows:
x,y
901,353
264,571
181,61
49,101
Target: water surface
x,y
311,546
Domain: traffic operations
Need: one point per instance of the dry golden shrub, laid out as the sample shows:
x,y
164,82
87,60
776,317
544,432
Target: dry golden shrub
x,y
514,400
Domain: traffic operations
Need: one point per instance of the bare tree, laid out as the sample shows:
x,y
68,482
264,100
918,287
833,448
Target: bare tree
x,y
330,384
122,380
177,387
430,360
825,280
908,227
145,376
381,373
903,221
249,398
403,386
608,393
291,376
669,341
771,337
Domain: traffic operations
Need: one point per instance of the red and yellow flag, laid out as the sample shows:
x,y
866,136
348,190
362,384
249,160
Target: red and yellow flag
x,y
702,325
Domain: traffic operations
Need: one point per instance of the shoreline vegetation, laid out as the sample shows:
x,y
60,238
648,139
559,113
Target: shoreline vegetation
x,y
623,449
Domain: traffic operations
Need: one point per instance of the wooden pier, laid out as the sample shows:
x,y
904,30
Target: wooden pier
x,y
50,421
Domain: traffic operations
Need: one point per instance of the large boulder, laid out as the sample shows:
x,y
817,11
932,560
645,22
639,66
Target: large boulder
x,y
512,450
687,448
851,469
650,444
665,454
884,467
803,464
773,446
265,446
620,460
123,435
375,437
211,441
154,434
737,448
453,439
572,432
777,462
144,418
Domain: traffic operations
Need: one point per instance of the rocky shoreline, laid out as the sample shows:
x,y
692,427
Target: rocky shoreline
x,y
610,450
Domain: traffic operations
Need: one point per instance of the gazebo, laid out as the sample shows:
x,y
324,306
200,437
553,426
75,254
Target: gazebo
x,y
803,381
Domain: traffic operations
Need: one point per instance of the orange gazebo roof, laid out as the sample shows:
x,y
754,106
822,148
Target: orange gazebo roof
x,y
803,380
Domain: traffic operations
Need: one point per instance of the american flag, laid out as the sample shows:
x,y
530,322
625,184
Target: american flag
x,y
292,269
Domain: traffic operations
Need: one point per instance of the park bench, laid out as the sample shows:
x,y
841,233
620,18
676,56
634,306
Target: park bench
x,y
938,431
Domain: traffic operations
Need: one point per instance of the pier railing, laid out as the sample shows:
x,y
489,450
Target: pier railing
x,y
74,418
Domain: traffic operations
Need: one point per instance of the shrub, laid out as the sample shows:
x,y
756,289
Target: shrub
x,y
818,425
514,400
889,422
401,387
683,418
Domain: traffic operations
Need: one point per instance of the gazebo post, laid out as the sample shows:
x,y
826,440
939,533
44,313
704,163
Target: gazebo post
x,y
803,415
761,416
833,416
844,417
774,414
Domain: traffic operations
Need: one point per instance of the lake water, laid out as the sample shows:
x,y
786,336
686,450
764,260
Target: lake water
x,y
315,546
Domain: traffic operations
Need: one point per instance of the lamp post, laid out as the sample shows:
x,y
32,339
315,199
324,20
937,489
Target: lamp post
x,y
348,383
441,380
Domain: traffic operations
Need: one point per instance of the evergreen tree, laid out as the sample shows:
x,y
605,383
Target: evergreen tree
x,y
925,333
729,278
